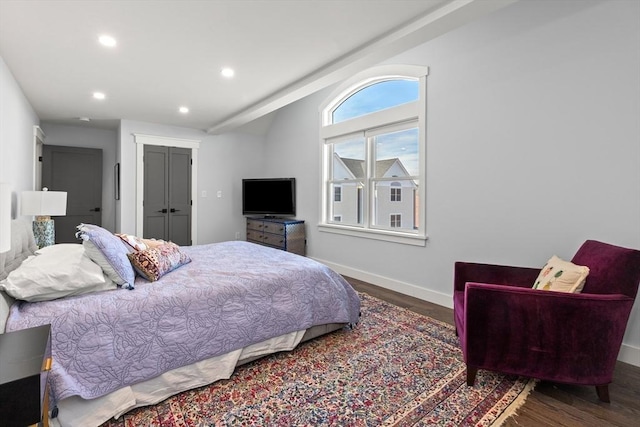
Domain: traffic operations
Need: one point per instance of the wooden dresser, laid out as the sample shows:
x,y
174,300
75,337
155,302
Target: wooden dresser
x,y
279,233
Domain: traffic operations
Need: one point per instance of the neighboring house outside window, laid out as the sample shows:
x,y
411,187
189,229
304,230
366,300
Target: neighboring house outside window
x,y
374,145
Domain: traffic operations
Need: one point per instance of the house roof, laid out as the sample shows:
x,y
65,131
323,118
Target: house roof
x,y
356,167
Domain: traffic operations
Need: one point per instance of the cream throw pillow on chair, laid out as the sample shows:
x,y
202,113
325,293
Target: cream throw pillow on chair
x,y
561,276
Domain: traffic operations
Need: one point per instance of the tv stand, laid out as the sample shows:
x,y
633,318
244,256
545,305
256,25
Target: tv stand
x,y
280,233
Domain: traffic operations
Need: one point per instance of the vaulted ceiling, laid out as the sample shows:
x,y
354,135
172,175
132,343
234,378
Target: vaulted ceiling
x,y
170,54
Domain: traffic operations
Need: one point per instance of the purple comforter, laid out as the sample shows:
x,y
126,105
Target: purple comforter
x,y
231,295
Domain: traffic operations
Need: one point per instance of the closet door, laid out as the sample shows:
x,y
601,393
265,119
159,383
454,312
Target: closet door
x,y
180,196
167,194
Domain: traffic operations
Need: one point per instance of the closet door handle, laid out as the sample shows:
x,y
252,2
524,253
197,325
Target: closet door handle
x,y
175,210
94,210
163,211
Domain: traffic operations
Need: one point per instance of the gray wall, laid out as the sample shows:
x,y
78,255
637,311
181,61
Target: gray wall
x,y
86,137
533,146
17,120
223,161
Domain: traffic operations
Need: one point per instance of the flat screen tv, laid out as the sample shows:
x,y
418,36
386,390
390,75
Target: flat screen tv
x,y
270,197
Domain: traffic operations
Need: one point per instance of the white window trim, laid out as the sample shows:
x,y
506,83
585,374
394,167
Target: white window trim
x,y
398,115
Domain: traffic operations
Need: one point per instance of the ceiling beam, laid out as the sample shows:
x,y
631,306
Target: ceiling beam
x,y
422,29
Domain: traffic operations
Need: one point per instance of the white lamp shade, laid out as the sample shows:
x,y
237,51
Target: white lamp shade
x,y
43,203
5,217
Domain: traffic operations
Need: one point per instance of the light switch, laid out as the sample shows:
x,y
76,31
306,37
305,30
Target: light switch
x,y
219,194
204,193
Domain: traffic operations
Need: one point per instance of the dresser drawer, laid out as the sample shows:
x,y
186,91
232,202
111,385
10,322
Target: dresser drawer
x,y
276,240
254,235
255,224
274,228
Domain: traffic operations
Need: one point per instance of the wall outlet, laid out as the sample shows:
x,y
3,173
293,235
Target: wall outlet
x,y
237,235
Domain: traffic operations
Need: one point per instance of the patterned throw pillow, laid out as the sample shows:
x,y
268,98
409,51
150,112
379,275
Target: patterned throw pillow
x,y
562,276
108,251
153,263
134,242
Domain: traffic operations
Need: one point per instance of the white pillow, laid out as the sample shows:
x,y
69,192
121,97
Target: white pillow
x,y
55,272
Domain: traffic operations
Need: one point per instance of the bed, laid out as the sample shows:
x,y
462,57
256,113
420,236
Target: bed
x,y
224,304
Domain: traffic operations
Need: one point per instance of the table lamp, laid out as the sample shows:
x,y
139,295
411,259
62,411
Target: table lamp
x,y
43,204
5,217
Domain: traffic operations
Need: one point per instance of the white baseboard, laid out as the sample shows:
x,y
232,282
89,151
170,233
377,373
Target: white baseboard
x,y
628,353
392,284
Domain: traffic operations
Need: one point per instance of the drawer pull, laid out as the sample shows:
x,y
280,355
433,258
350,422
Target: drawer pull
x,y
46,365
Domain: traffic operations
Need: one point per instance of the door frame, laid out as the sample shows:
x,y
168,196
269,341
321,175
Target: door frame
x,y
141,140
38,142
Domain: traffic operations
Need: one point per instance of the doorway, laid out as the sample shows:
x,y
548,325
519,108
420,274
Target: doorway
x,y
78,171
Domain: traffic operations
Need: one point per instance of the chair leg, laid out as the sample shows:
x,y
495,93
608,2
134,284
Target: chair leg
x,y
471,375
603,393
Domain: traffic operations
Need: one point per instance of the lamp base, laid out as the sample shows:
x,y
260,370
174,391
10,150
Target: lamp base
x,y
44,233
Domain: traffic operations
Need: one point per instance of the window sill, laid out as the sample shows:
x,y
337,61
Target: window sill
x,y
387,236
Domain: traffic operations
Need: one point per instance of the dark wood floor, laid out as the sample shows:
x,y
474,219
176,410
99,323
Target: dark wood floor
x,y
548,404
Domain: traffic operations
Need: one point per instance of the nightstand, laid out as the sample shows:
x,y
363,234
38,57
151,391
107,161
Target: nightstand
x,y
25,361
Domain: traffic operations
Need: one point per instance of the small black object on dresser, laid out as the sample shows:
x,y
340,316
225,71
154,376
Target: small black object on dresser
x,y
25,361
279,233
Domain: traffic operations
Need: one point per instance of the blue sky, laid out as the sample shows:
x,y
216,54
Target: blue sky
x,y
403,144
377,97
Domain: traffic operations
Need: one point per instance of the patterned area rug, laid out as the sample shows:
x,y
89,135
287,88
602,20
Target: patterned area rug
x,y
396,368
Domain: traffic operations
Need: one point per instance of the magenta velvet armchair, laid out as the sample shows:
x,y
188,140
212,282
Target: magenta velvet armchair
x,y
506,326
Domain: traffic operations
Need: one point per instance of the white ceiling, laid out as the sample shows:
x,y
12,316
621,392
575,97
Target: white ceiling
x,y
170,53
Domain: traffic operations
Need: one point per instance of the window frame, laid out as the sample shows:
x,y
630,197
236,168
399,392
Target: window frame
x,y
403,116
398,217
337,193
395,193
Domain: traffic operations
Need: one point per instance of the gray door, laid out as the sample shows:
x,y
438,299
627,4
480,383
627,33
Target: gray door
x,y
167,194
78,171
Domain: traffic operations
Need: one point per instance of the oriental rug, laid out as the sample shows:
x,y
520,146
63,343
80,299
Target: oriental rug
x,y
395,368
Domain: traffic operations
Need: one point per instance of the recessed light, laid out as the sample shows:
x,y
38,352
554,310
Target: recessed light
x,y
84,119
227,72
99,95
106,40
183,110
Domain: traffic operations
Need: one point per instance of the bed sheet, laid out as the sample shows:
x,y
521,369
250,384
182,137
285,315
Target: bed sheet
x,y
232,295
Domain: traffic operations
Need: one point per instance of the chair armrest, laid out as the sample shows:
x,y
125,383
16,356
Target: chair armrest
x,y
564,337
496,274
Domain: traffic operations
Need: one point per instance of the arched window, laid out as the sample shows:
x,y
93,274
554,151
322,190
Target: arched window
x,y
376,97
374,144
